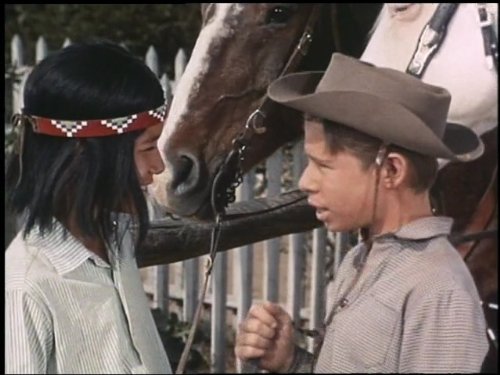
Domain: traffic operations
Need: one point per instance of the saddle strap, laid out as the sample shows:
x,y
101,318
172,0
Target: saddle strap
x,y
489,36
431,39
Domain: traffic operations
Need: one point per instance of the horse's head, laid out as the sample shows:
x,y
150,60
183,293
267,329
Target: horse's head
x,y
240,50
459,64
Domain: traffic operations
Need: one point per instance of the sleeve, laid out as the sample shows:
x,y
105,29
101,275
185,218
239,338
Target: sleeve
x,y
302,362
28,334
443,332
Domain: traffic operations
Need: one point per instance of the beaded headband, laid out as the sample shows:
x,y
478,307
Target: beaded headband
x,y
97,128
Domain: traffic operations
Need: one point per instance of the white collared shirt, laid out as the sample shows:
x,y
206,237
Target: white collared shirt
x,y
69,311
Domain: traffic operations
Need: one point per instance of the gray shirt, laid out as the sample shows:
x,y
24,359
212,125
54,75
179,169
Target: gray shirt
x,y
414,309
69,311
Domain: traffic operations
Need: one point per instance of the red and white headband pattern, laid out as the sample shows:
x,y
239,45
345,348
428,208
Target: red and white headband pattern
x,y
98,128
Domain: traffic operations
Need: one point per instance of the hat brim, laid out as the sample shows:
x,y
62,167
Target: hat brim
x,y
380,118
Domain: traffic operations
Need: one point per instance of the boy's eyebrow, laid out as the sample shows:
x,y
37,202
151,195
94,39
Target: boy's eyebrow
x,y
318,160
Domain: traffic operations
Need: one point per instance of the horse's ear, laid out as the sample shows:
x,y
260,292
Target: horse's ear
x,y
207,10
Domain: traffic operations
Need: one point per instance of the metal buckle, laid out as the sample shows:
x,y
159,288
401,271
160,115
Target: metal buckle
x,y
252,123
426,46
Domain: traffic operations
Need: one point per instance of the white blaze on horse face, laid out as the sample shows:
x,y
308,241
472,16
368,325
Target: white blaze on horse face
x,y
459,65
188,85
198,65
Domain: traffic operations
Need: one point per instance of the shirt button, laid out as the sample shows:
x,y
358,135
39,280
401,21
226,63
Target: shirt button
x,y
343,302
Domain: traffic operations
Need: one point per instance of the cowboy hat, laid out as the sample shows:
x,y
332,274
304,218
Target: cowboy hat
x,y
384,103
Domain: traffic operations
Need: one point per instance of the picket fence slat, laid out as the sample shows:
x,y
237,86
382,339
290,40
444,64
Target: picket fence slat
x,y
274,170
243,261
167,89
318,280
152,61
67,42
191,271
219,301
16,51
42,50
17,61
179,66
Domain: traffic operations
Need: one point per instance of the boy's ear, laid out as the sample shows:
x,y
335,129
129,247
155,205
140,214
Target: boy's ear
x,y
396,170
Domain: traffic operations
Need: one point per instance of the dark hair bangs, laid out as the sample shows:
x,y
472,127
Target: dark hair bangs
x,y
99,84
88,179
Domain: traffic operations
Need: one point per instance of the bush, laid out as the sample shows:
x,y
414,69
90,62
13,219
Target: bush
x,y
167,27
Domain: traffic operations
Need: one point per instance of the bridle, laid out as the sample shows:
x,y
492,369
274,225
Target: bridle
x,y
430,40
230,174
434,32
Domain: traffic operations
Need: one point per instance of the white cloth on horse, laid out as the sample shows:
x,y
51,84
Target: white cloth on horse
x,y
69,311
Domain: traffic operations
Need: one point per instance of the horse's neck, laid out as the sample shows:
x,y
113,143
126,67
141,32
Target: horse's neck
x,y
459,65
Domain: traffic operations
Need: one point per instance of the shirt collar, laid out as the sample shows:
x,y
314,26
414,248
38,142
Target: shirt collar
x,y
422,229
65,252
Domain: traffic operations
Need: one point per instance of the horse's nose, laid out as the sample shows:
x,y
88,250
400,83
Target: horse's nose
x,y
186,174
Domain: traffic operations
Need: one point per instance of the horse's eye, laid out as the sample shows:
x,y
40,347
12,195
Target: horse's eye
x,y
279,14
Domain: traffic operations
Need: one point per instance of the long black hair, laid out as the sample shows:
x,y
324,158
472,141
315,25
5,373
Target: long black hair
x,y
90,178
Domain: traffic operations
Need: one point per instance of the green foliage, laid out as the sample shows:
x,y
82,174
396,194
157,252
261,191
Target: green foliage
x,y
167,27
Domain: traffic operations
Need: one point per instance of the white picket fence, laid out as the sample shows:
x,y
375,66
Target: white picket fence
x,y
290,269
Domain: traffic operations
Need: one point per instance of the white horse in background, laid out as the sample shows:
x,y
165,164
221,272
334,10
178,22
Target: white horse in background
x,y
460,64
468,69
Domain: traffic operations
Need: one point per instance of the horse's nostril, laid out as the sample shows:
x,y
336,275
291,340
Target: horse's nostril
x,y
184,168
186,174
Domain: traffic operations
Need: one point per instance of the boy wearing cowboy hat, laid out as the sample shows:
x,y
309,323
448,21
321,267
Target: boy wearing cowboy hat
x,y
403,300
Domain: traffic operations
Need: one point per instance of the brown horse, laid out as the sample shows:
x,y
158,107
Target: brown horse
x,y
243,47
240,50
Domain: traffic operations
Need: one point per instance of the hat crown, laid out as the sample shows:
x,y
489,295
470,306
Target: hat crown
x,y
385,103
427,102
